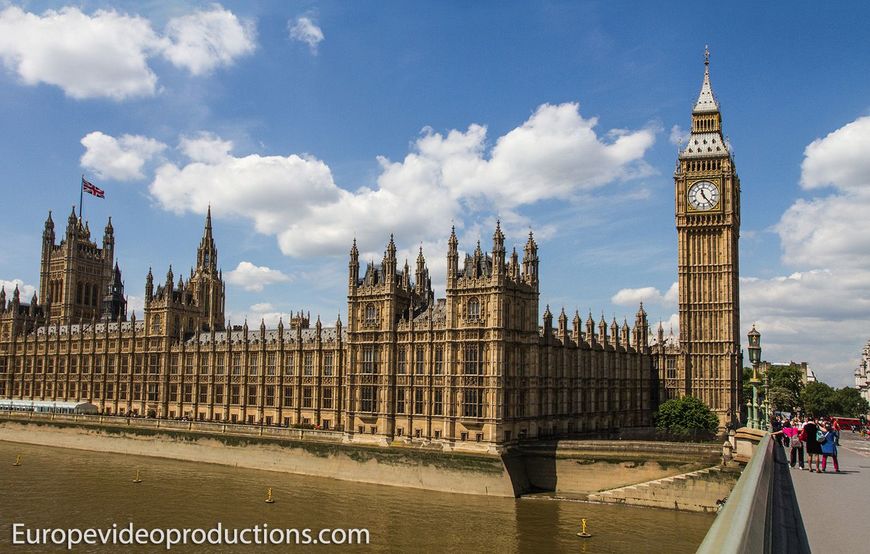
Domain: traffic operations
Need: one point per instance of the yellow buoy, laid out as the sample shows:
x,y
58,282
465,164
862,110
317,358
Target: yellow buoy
x,y
137,480
17,461
269,499
583,533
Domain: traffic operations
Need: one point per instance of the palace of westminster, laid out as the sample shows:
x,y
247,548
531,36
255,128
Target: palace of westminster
x,y
474,367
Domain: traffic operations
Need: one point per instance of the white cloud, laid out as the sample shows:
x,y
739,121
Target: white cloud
x,y
555,154
253,278
135,304
821,313
105,54
99,55
205,147
840,159
120,158
304,29
207,39
25,291
649,295
678,136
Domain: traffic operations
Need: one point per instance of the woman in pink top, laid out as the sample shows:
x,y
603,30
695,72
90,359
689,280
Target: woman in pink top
x,y
792,434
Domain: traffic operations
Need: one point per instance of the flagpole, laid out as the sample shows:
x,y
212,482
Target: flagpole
x,y
81,195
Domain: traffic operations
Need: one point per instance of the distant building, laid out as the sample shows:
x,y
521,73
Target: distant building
x,y
862,374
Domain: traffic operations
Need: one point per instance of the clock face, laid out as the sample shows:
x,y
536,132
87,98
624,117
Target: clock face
x,y
704,196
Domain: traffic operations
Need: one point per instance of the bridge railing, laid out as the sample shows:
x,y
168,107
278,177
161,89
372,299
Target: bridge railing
x,y
761,514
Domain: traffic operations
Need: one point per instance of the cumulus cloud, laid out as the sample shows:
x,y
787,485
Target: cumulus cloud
x,y
649,295
106,54
678,136
119,158
25,291
304,29
555,154
254,278
207,39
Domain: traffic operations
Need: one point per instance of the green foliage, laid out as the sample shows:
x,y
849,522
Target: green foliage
x,y
850,403
786,384
686,417
822,400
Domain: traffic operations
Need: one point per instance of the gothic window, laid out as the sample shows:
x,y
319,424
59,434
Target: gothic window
x,y
473,310
270,396
306,397
188,364
221,360
288,363
403,361
368,398
369,364
400,401
153,364
203,364
439,360
237,364
252,394
371,314
218,394
418,401
270,363
252,363
472,359
288,396
188,393
327,364
203,394
308,364
152,392
471,402
173,393
419,365
671,368
327,399
438,402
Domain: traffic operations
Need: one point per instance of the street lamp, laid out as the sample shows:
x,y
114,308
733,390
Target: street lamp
x,y
755,418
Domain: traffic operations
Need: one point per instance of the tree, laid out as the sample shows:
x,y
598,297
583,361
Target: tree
x,y
850,403
686,417
786,384
747,388
817,399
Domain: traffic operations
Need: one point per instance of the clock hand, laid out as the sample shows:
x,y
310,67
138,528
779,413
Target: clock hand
x,y
705,196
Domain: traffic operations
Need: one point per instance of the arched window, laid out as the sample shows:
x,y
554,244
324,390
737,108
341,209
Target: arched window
x,y
371,313
474,309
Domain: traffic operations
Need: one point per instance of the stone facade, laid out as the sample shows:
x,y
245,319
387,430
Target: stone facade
x,y
862,374
474,370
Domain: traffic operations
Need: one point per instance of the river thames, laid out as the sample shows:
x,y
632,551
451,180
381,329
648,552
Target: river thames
x,y
60,488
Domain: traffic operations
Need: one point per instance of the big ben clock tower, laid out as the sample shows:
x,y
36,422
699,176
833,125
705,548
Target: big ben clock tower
x,y
708,228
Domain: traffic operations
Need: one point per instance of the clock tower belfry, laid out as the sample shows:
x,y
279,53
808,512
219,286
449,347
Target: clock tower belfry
x,y
707,187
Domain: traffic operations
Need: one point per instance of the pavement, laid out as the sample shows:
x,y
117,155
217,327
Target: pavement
x,y
834,506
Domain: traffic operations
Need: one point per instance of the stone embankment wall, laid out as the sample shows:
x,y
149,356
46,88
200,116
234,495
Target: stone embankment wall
x,y
573,469
399,466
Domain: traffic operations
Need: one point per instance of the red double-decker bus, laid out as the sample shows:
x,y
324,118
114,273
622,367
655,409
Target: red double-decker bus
x,y
847,423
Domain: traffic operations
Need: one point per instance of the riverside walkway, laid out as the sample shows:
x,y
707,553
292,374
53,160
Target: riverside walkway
x,y
834,506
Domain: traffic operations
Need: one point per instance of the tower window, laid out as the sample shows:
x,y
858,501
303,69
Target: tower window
x,y
371,313
474,309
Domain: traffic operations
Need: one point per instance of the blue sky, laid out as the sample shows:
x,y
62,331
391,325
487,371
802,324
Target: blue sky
x,y
305,124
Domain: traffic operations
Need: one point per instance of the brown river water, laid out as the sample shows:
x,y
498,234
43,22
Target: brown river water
x,y
60,488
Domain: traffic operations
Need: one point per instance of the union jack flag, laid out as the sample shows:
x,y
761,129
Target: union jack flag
x,y
89,188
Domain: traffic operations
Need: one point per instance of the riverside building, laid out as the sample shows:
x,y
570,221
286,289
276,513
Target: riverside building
x,y
475,370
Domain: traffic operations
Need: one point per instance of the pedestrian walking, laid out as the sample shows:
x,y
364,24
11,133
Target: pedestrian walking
x,y
792,438
809,436
829,448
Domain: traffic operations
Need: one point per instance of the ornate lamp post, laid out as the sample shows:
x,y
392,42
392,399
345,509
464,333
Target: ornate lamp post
x,y
754,337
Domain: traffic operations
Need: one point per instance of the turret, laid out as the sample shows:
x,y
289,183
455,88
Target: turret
x,y
602,331
498,251
2,298
353,267
641,330
452,258
149,287
577,334
71,224
530,262
548,322
48,231
390,265
421,276
590,329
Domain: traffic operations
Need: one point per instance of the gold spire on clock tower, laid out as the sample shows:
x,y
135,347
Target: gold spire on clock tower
x,y
708,226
